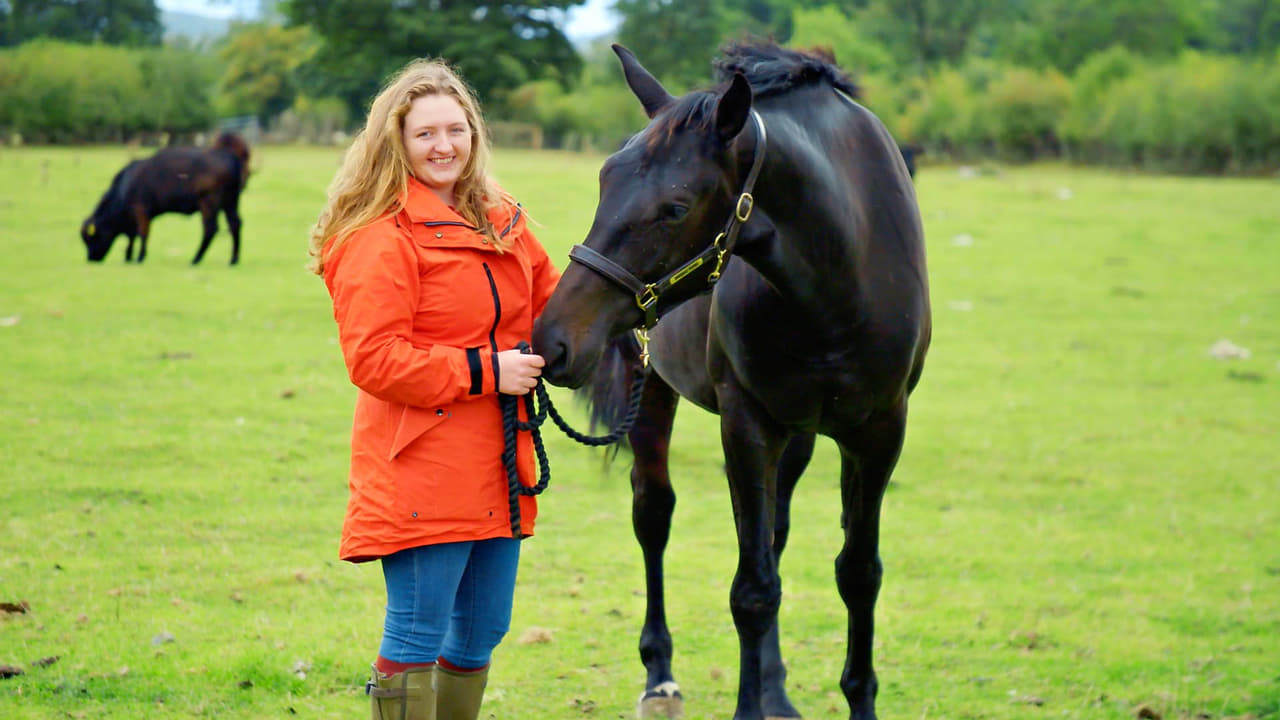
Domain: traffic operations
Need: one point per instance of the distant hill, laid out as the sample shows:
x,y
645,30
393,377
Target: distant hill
x,y
195,27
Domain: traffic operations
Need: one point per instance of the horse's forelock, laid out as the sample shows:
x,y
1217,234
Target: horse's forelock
x,y
694,111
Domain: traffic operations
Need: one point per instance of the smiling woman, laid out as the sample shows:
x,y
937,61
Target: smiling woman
x,y
435,280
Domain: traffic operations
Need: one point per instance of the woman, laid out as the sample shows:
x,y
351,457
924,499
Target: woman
x,y
435,279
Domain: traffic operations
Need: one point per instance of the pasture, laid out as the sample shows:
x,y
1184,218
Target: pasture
x,y
1085,522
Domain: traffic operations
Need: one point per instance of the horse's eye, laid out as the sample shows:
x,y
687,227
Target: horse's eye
x,y
676,213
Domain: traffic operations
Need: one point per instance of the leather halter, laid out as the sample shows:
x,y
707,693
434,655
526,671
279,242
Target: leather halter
x,y
648,294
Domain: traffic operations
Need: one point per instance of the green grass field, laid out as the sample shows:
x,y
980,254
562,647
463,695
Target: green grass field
x,y
1084,521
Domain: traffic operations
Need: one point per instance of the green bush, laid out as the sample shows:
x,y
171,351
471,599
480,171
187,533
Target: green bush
x,y
1022,110
1199,113
1079,128
62,92
942,113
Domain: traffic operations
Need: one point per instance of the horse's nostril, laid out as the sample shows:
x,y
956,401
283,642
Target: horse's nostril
x,y
557,358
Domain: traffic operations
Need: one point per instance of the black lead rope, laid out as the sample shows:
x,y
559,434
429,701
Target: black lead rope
x,y
511,424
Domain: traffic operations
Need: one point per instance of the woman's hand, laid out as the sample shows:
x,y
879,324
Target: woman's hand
x,y
518,372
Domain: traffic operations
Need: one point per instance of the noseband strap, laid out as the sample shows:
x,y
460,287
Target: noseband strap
x,y
606,267
648,294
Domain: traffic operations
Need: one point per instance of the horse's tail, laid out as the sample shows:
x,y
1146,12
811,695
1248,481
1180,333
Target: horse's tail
x,y
608,392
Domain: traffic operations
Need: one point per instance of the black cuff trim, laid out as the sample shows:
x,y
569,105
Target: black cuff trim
x,y
494,359
477,374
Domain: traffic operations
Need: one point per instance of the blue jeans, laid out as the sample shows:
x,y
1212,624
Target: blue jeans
x,y
451,600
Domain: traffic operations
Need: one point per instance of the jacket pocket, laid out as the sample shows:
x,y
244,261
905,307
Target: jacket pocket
x,y
414,421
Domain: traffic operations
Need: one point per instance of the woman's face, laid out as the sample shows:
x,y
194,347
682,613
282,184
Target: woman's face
x,y
437,141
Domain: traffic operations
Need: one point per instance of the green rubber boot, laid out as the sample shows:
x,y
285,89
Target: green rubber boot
x,y
459,694
408,695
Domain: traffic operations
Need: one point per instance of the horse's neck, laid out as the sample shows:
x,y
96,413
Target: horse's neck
x,y
803,242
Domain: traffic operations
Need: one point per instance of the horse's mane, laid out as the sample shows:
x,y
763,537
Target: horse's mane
x,y
772,70
769,70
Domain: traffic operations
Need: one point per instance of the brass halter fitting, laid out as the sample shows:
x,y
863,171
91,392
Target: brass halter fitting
x,y
745,204
642,336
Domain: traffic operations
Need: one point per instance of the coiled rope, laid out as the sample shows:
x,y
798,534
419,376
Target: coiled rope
x,y
537,414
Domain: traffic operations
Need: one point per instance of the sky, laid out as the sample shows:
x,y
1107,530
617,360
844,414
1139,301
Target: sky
x,y
585,21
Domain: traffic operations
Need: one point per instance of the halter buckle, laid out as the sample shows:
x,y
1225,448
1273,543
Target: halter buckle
x,y
647,298
745,199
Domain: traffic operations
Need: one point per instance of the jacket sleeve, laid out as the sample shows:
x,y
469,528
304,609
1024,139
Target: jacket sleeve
x,y
545,274
374,282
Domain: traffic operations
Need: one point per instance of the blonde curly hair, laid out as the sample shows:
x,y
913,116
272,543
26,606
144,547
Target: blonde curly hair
x,y
374,178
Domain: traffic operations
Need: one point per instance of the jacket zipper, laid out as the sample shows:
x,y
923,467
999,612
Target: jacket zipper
x,y
497,316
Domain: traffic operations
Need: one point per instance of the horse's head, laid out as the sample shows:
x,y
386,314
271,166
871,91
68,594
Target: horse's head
x,y
664,198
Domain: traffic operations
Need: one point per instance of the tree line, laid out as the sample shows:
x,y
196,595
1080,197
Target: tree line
x,y
1177,84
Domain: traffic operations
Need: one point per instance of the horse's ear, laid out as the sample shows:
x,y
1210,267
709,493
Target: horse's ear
x,y
733,108
652,95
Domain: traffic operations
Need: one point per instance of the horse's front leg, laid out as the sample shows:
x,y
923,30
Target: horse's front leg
x,y
128,250
652,504
773,673
753,446
869,453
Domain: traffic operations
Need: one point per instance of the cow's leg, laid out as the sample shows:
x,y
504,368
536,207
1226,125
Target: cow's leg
x,y
652,503
209,214
753,445
231,206
869,453
128,251
773,673
144,229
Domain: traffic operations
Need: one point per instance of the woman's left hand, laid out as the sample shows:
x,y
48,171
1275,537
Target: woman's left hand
x,y
518,372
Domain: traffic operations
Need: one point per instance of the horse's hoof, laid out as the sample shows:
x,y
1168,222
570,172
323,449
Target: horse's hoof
x,y
781,711
663,701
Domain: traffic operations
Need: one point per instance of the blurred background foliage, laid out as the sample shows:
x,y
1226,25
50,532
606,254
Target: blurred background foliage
x,y
1177,85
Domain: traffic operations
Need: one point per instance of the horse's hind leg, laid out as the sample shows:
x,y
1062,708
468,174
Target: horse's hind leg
x,y
773,673
652,503
869,453
209,215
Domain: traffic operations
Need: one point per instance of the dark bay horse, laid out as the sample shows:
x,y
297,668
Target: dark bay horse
x,y
792,203
182,180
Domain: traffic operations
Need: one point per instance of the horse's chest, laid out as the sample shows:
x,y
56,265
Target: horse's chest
x,y
802,383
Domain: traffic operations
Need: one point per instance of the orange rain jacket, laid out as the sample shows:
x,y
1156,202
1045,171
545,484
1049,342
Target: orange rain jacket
x,y
423,301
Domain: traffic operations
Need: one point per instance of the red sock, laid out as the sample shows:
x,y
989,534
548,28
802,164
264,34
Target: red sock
x,y
454,668
391,667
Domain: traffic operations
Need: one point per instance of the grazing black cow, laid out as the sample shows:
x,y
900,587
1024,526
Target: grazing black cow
x,y
183,180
